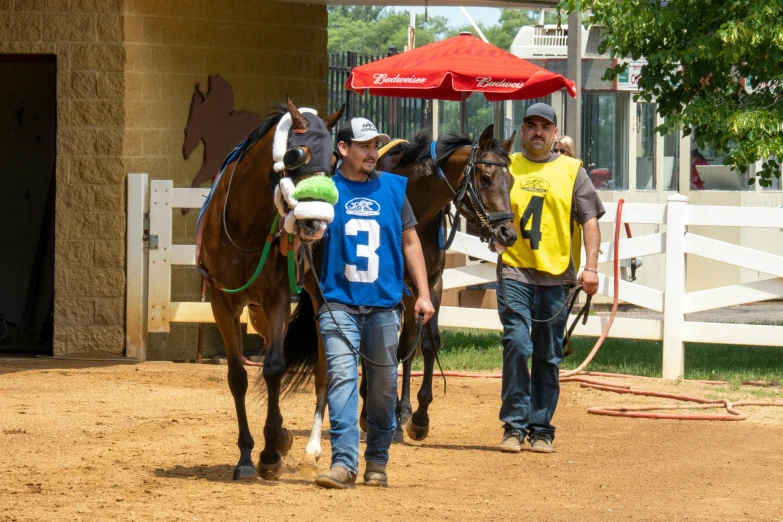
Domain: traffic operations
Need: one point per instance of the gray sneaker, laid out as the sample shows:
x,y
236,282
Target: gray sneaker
x,y
375,474
512,441
540,443
336,478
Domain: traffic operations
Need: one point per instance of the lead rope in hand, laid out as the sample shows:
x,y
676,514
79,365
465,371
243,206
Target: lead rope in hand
x,y
431,336
569,301
358,351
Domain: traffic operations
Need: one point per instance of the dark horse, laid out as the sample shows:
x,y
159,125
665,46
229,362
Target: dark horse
x,y
493,185
235,225
485,165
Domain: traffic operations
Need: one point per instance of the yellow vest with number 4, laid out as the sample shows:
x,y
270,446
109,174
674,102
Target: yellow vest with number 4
x,y
541,199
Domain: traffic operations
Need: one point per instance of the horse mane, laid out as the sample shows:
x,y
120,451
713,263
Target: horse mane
x,y
417,150
271,119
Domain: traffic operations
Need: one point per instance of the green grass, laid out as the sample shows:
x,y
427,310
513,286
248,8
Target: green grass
x,y
476,350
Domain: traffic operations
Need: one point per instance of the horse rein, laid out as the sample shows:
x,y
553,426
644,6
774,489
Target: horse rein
x,y
478,215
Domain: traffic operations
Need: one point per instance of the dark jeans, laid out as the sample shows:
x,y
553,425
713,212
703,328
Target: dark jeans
x,y
530,397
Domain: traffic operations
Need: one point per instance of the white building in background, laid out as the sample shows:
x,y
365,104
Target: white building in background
x,y
627,160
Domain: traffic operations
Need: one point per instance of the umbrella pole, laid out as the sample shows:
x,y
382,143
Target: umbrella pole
x,y
462,113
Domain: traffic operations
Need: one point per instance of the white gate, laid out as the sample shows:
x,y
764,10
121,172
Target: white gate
x,y
151,255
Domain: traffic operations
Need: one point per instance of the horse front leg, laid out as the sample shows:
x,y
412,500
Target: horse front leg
x,y
309,466
277,439
419,426
227,320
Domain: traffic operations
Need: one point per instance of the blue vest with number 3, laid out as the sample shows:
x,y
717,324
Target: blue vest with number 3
x,y
362,263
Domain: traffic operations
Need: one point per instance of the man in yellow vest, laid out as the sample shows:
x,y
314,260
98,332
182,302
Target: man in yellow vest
x,y
552,195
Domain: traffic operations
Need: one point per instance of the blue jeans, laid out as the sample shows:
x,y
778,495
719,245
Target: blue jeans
x,y
529,398
379,334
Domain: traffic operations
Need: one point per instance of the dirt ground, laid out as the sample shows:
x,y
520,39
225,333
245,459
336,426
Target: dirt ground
x,y
157,441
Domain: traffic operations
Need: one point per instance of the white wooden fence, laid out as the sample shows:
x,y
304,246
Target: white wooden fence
x,y
151,255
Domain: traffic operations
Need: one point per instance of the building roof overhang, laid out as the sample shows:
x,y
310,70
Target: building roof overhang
x,y
522,4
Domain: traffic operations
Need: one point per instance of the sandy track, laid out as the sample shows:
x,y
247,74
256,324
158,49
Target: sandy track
x,y
156,441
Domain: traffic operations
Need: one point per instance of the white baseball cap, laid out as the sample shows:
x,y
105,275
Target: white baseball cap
x,y
360,129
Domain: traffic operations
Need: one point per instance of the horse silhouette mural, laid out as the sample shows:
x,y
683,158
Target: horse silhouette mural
x,y
214,121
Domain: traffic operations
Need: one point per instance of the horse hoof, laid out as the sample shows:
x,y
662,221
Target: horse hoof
x,y
416,432
363,424
285,442
397,437
245,473
270,471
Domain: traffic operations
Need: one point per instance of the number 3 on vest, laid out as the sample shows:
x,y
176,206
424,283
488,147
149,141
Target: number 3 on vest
x,y
352,228
534,209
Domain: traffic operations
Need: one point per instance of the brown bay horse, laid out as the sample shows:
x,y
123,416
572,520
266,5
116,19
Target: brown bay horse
x,y
485,165
235,226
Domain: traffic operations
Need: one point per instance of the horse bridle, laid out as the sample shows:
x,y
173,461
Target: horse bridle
x,y
478,215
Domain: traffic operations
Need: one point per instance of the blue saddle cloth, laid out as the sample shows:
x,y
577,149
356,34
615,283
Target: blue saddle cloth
x,y
231,157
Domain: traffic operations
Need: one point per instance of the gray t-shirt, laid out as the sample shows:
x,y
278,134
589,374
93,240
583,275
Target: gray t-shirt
x,y
586,205
408,221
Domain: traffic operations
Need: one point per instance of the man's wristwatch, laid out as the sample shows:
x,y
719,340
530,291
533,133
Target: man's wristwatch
x,y
590,270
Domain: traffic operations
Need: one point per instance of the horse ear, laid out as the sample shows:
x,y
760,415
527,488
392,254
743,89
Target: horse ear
x,y
299,123
197,94
485,141
332,119
509,143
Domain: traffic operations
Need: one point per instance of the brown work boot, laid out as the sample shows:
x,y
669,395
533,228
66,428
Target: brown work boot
x,y
375,474
540,443
512,441
336,478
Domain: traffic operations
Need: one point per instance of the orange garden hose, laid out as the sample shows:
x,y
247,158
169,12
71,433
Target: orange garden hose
x,y
579,375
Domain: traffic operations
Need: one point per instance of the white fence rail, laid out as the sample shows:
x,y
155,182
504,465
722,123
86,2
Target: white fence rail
x,y
151,255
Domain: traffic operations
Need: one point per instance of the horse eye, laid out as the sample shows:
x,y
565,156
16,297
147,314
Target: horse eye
x,y
486,179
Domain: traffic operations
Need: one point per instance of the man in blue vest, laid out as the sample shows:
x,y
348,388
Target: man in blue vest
x,y
365,252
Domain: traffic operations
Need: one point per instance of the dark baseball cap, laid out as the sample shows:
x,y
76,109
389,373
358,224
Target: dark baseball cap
x,y
542,110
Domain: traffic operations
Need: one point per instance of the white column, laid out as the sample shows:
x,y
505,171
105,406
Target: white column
x,y
674,288
136,337
573,126
557,105
159,304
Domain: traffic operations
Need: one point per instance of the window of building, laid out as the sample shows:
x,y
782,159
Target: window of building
x,y
645,146
671,161
708,171
604,146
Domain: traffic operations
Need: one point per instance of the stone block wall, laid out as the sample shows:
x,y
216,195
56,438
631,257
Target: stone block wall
x,y
87,38
126,70
264,49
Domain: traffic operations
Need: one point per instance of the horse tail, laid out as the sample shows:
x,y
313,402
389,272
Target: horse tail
x,y
300,348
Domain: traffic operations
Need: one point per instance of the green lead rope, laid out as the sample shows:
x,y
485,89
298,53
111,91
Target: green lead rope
x,y
292,267
261,263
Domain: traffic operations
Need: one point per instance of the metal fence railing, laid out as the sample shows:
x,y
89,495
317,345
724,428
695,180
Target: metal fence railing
x,y
397,117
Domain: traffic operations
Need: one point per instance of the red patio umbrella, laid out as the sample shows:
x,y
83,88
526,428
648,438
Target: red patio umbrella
x,y
453,69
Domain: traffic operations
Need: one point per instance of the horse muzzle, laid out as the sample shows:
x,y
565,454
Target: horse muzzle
x,y
504,236
310,230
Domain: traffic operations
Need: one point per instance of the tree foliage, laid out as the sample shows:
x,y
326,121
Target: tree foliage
x,y
372,30
699,53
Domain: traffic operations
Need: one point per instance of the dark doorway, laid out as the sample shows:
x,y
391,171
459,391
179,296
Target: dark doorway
x,y
28,129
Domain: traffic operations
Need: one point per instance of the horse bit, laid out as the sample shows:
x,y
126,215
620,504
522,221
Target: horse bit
x,y
487,220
